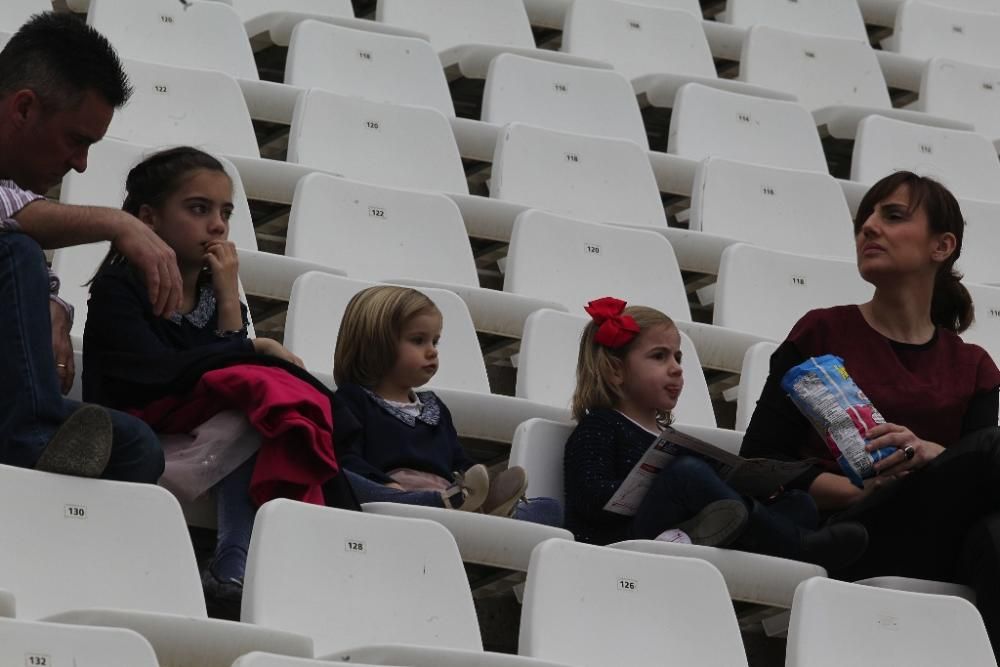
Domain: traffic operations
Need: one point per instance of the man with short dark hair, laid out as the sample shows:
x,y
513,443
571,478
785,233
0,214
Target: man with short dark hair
x,y
60,82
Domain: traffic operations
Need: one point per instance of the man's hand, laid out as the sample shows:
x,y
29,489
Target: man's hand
x,y
155,259
62,348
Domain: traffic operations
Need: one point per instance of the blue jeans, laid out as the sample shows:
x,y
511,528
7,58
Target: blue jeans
x,y
546,511
688,484
32,407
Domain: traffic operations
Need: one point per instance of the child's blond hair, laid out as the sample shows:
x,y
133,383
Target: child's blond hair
x,y
368,341
596,363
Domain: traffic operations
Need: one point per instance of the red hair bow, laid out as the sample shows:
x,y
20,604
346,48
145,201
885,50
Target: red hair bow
x,y
614,329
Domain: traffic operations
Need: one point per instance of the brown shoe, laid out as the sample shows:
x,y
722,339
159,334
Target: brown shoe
x,y
506,489
469,490
81,446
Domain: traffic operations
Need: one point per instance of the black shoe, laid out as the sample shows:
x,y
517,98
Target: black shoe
x,y
223,597
717,524
81,446
835,546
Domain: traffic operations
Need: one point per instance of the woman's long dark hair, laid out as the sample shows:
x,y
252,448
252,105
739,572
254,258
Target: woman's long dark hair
x,y
155,179
951,304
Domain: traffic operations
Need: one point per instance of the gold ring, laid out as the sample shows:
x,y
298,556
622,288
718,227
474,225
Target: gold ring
x,y
61,366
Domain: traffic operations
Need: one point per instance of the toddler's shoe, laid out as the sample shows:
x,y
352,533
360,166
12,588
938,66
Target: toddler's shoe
x,y
81,446
717,524
506,489
469,490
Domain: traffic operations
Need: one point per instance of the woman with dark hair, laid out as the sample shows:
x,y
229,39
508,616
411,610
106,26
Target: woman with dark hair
x,y
933,510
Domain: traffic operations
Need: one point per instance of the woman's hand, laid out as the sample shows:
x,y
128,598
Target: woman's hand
x,y
273,348
224,263
911,453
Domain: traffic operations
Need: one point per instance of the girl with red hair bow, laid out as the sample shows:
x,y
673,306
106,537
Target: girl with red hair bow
x,y
629,378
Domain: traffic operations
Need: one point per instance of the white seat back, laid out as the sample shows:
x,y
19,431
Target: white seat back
x,y
173,106
781,209
677,607
387,144
765,292
379,67
257,659
963,91
70,553
317,305
392,233
13,13
32,643
638,38
583,100
538,447
707,122
328,573
884,626
692,7
574,262
593,178
753,377
926,30
822,17
819,70
982,237
251,10
965,162
985,331
547,366
199,35
451,23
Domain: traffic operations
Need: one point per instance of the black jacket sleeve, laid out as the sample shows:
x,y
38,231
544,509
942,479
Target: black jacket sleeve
x,y
777,429
352,456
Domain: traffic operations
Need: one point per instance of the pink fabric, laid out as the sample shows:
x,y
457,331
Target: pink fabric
x,y
294,419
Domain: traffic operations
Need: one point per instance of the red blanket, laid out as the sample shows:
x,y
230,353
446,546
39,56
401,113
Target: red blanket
x,y
294,419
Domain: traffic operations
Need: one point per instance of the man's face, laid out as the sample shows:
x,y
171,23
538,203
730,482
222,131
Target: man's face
x,y
50,142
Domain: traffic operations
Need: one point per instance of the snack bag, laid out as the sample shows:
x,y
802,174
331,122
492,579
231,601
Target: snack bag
x,y
822,390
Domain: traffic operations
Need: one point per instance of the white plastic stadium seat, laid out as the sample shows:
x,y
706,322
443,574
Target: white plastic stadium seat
x,y
965,162
470,33
676,607
53,644
383,68
562,97
781,209
553,13
965,92
765,292
257,659
376,142
982,237
708,122
823,17
547,366
13,13
594,178
329,572
838,79
925,30
314,313
837,623
657,48
261,15
756,368
170,107
400,236
71,565
573,262
883,12
985,331
198,35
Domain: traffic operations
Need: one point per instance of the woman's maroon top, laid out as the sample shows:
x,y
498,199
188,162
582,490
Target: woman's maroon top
x,y
940,390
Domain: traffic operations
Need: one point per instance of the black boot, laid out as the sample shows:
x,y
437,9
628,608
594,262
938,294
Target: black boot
x,y
833,547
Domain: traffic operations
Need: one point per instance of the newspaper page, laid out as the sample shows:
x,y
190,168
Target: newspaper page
x,y
758,478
